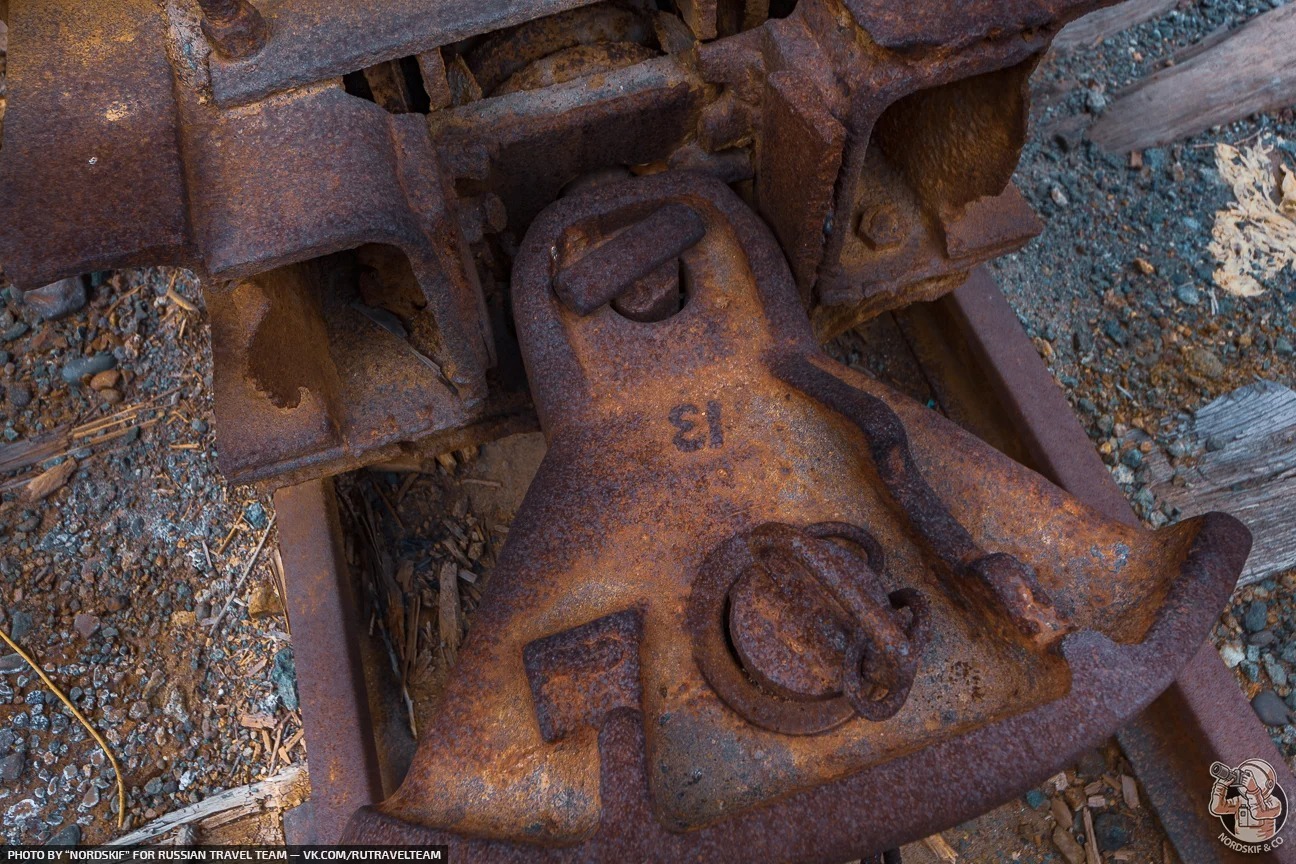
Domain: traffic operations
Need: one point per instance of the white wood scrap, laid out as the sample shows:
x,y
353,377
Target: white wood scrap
x,y
1252,476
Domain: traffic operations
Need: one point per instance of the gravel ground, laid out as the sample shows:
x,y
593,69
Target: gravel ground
x,y
1119,298
109,578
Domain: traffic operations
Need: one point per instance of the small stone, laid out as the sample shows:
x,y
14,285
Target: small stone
x,y
20,626
1277,672
58,299
284,676
1115,332
1035,799
1112,831
1256,617
1232,655
1283,347
153,787
1270,708
264,601
198,425
1106,424
1132,458
12,663
1123,475
20,396
1144,266
80,367
69,836
86,624
111,396
1177,448
255,515
1288,653
1059,196
1215,443
1261,639
1155,158
13,332
91,799
1206,363
1095,101
138,710
1188,295
11,767
105,380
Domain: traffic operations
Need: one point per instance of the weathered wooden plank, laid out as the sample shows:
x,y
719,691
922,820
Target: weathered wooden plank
x,y
1242,461
1251,71
1105,23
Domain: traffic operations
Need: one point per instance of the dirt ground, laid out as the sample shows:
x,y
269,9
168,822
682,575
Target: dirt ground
x,y
119,578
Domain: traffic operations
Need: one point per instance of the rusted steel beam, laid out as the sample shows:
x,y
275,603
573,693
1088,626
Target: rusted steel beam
x,y
322,607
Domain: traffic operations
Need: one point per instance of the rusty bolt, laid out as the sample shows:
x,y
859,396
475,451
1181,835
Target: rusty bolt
x,y
883,227
234,28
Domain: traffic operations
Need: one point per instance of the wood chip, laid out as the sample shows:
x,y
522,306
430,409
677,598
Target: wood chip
x,y
46,484
1091,846
1250,71
1105,23
936,843
1062,813
449,611
1129,791
249,720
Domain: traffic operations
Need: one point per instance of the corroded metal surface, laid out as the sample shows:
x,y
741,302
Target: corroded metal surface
x,y
351,181
1034,626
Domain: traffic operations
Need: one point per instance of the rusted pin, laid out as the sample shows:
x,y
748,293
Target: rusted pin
x,y
234,28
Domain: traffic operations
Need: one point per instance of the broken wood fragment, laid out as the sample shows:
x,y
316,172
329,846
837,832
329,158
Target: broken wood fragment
x,y
1251,70
1105,23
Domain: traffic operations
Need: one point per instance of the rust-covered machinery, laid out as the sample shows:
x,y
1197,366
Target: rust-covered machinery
x,y
756,605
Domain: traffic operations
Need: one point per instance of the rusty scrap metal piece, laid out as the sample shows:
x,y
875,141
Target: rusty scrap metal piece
x,y
316,137
610,270
234,27
1047,626
807,654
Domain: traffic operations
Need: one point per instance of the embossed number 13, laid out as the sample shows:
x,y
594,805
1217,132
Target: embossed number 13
x,y
689,437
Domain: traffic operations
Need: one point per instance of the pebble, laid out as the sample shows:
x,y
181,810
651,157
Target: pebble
x,y
79,367
20,626
1277,672
1035,799
69,836
11,767
86,624
1112,831
1132,458
1269,708
1232,655
284,676
20,396
1283,347
105,380
1059,196
1256,617
12,663
138,710
1188,295
58,299
14,331
111,396
1123,475
255,515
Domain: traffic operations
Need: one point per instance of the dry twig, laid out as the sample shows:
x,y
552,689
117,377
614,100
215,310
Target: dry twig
x,y
76,712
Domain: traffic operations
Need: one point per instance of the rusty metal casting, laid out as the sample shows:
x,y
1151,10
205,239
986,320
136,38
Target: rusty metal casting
x,y
351,181
717,490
